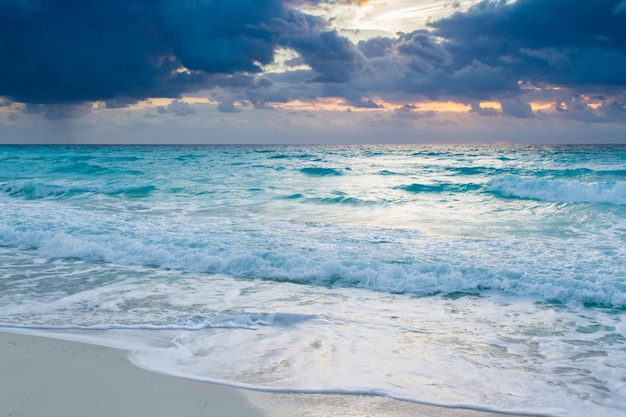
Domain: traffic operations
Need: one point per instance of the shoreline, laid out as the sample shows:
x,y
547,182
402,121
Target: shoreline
x,y
48,377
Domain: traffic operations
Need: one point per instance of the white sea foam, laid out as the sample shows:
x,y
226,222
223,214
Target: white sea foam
x,y
485,351
473,264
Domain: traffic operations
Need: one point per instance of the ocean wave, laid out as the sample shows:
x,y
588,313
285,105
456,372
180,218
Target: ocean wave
x,y
469,170
329,264
86,169
320,172
597,172
340,199
559,191
132,192
440,188
33,190
82,168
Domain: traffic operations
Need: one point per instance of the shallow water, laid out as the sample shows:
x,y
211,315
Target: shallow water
x,y
475,276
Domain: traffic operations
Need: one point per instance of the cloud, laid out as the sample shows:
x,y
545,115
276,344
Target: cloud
x,y
60,111
228,107
69,51
561,42
577,108
218,37
409,111
500,50
517,108
496,51
56,52
334,58
483,111
177,108
364,104
425,48
376,47
620,8
63,51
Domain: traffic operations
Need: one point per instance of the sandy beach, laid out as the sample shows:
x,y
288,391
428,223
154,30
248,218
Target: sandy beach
x,y
45,377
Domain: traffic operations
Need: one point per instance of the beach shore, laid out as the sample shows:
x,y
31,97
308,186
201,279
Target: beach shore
x,y
45,377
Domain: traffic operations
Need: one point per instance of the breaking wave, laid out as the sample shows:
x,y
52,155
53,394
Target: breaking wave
x,y
559,191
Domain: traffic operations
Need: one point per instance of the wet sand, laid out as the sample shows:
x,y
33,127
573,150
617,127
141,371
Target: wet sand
x,y
45,377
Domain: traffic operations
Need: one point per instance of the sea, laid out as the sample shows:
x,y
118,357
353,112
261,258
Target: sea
x,y
487,277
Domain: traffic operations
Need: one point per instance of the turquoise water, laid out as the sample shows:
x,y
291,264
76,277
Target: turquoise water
x,y
488,277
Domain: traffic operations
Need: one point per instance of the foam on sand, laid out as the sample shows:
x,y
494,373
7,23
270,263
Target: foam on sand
x,y
43,377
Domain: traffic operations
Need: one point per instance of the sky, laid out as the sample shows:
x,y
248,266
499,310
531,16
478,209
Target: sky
x,y
312,71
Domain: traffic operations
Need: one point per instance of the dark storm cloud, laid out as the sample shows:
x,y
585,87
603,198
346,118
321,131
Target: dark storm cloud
x,y
501,51
218,36
563,42
483,54
376,47
59,51
121,51
333,57
72,50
